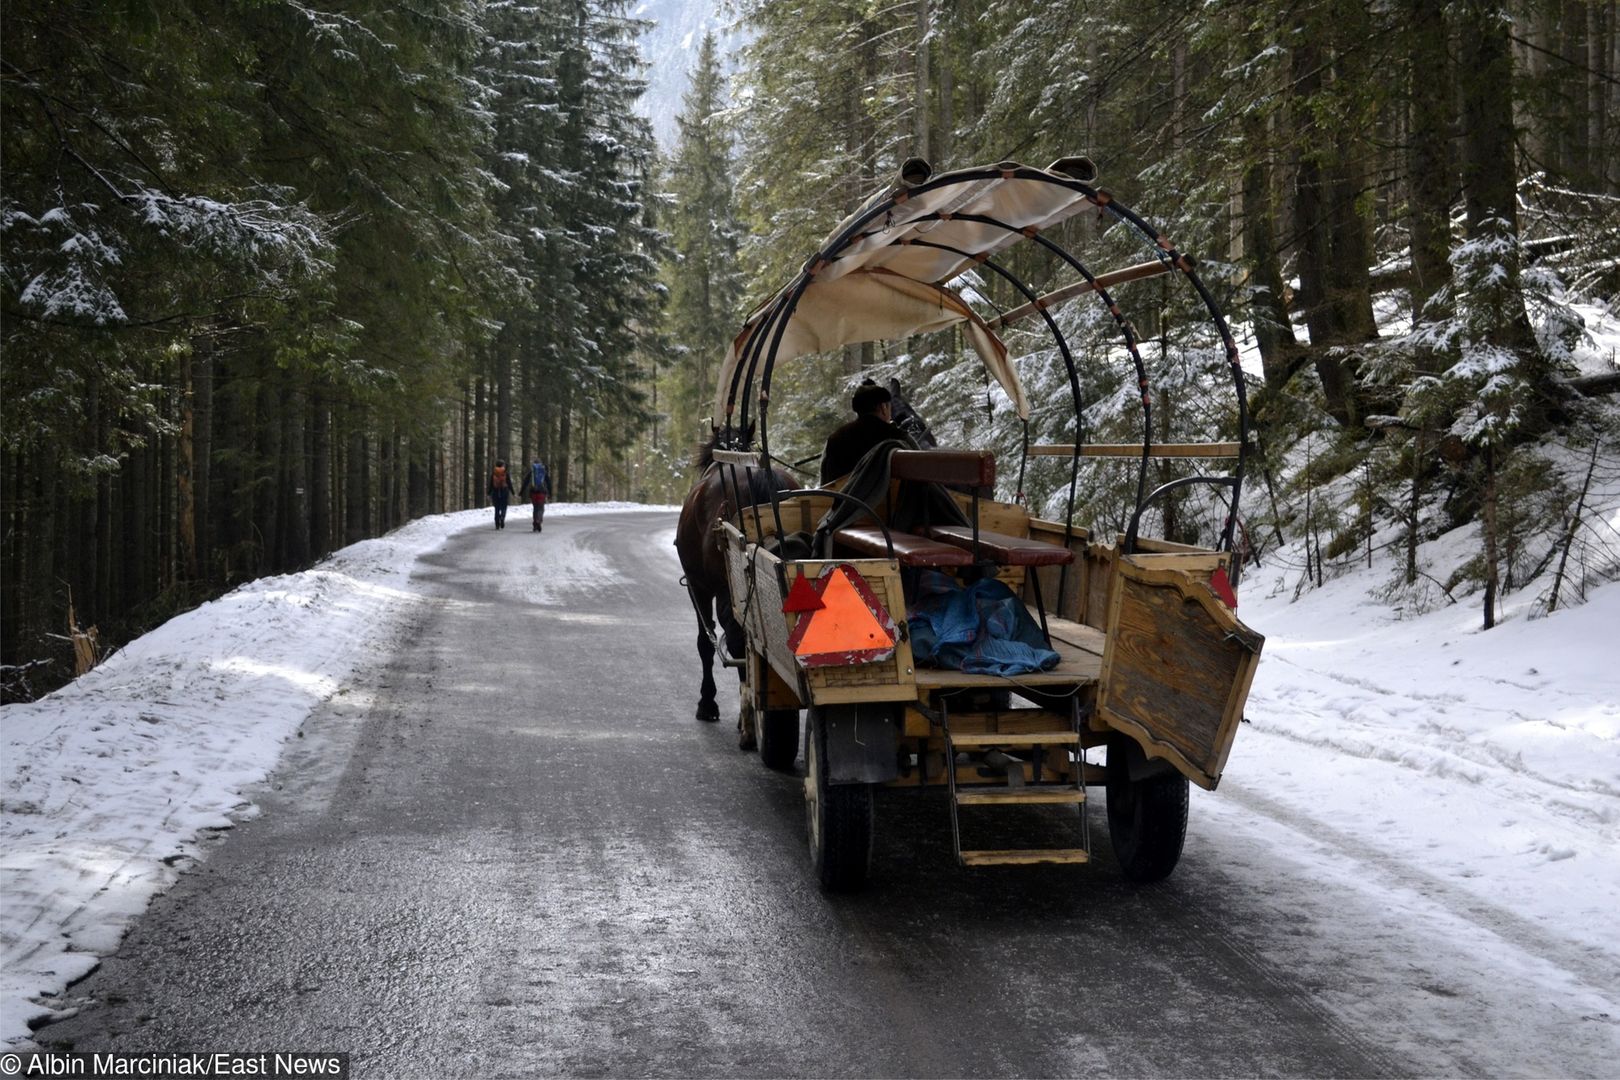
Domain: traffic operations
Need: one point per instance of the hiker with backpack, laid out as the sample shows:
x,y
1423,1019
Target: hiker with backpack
x,y
537,486
500,491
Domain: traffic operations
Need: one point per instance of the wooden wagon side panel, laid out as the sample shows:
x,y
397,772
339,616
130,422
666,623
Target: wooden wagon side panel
x,y
1176,668
756,601
1099,580
800,514
1071,579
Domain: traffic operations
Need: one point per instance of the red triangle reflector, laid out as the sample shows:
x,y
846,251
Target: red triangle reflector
x,y
803,596
1222,587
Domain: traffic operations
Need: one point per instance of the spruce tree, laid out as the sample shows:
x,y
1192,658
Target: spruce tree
x,y
705,282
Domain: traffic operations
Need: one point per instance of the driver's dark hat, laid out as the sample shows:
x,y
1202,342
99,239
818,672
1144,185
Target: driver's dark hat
x,y
869,396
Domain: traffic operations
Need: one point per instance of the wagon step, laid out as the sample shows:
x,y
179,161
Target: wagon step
x,y
1022,796
980,741
991,745
1026,857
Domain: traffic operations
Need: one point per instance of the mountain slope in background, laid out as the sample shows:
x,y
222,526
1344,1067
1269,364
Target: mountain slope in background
x,y
670,47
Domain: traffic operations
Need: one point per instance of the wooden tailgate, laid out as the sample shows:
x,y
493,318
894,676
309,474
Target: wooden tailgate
x,y
1176,668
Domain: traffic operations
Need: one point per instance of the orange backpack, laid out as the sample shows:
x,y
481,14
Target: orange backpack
x,y
498,481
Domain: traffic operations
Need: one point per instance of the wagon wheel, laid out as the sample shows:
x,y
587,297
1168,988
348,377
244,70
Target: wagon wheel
x,y
840,818
747,729
778,733
1147,818
775,732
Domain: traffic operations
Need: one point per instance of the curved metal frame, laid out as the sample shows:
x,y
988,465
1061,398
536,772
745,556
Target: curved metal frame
x,y
773,325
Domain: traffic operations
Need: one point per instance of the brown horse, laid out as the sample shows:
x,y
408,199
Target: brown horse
x,y
713,497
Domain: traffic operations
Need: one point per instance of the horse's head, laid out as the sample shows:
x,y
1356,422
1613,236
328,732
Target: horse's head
x,y
721,438
906,418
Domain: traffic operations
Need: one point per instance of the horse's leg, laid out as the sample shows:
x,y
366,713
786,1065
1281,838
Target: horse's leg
x,y
707,708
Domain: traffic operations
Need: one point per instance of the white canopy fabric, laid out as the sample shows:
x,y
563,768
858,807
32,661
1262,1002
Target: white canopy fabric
x,y
877,305
883,284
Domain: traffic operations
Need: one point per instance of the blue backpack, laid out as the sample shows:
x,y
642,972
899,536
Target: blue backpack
x,y
537,477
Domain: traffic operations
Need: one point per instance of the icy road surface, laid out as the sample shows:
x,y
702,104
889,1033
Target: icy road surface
x,y
501,845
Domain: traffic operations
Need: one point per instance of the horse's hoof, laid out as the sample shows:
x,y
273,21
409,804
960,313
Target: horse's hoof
x,y
708,712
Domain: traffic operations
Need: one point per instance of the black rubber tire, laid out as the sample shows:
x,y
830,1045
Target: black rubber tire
x,y
1147,818
777,732
840,820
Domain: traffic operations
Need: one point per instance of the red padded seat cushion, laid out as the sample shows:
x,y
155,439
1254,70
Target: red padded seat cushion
x,y
910,549
1002,549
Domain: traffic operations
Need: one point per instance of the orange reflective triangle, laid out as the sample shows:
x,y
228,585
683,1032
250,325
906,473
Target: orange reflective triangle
x,y
845,624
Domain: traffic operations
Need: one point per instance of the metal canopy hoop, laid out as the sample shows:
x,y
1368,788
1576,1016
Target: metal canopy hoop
x,y
883,273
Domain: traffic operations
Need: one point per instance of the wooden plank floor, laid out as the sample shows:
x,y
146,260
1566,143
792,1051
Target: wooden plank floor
x,y
1079,647
1086,638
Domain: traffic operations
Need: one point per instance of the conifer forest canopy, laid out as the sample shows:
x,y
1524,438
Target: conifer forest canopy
x,y
278,278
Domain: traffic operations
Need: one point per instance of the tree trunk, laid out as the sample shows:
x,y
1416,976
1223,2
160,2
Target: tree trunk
x,y
503,398
294,483
1571,93
1414,508
480,461
564,448
167,493
354,488
1311,230
1428,156
1611,154
1489,172
919,106
1273,331
1488,524
1595,151
416,496
464,472
186,473
320,476
202,392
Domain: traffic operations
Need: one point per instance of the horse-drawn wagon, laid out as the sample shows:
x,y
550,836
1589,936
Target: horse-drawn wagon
x,y
828,594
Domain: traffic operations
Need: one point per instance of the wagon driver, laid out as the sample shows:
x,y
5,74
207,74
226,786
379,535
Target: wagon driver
x,y
850,443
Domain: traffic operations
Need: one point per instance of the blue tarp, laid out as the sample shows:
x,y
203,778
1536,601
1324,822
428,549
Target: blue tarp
x,y
983,629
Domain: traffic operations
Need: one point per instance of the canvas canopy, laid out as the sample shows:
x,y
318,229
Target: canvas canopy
x,y
888,279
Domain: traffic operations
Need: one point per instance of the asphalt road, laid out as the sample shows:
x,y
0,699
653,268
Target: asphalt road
x,y
509,850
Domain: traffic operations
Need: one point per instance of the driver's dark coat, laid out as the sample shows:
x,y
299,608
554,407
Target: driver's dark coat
x,y
847,445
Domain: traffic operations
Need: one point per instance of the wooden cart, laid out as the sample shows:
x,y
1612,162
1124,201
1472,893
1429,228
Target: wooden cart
x,y
1154,667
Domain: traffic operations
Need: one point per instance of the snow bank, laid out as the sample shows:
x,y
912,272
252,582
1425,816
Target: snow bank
x,y
1460,787
109,783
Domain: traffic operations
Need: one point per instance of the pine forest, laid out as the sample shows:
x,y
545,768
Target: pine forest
x,y
278,279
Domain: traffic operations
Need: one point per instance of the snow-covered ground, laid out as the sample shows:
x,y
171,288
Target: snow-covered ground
x,y
112,782
1443,802
1443,798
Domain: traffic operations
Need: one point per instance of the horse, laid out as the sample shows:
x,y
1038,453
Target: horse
x,y
702,560
711,499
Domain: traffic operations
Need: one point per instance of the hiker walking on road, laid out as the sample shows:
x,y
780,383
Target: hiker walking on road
x,y
537,486
500,492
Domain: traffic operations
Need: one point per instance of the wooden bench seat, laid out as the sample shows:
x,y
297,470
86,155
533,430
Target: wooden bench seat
x,y
1002,549
909,549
